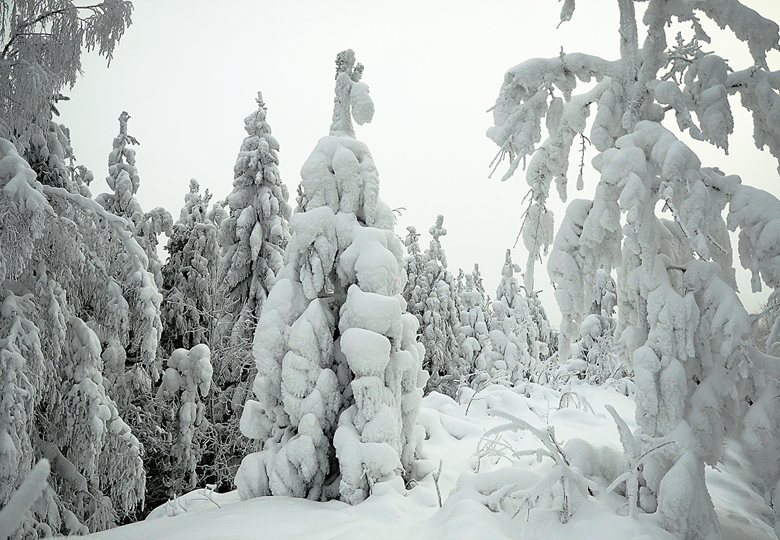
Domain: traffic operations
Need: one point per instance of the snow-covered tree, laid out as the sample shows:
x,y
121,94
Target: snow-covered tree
x,y
40,54
698,377
13,514
339,379
255,234
766,334
594,355
542,339
189,276
185,382
50,166
431,297
415,267
192,311
123,178
473,330
587,328
508,360
68,321
252,238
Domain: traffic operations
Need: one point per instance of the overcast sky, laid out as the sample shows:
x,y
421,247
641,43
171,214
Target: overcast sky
x,y
188,72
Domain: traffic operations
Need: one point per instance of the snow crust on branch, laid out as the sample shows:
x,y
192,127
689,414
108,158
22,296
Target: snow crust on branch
x,y
62,302
681,326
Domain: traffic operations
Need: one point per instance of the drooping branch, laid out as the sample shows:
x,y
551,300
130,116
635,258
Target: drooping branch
x,y
40,18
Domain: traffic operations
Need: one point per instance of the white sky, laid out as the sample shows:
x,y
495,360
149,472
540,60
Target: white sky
x,y
188,73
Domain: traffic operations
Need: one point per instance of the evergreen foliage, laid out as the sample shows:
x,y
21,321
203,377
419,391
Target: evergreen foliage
x,y
77,302
339,378
254,235
123,178
681,327
431,296
473,330
190,298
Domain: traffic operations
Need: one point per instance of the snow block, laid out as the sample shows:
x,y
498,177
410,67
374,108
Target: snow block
x,y
367,352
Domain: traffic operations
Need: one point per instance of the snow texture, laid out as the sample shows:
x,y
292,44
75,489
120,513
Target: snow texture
x,y
680,325
339,370
74,280
254,235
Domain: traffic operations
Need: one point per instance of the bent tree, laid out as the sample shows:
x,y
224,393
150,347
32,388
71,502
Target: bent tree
x,y
656,222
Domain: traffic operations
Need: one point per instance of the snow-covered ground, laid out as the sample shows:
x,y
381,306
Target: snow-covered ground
x,y
471,506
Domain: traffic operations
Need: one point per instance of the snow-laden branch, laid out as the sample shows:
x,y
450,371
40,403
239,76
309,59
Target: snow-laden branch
x,y
139,275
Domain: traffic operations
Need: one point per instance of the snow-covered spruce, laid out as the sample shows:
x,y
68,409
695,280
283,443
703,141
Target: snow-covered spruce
x,y
123,178
185,382
192,309
508,333
595,351
339,378
415,269
586,297
253,237
253,233
50,155
190,299
432,298
680,324
473,330
519,336
67,324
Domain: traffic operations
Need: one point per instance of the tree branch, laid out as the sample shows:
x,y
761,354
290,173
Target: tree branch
x,y
18,31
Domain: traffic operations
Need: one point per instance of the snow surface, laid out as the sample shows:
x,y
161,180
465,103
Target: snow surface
x,y
471,509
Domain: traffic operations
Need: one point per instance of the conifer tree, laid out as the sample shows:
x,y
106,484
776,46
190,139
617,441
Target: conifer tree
x,y
508,359
339,379
473,330
189,276
415,267
124,180
49,167
67,323
256,232
433,300
596,348
185,384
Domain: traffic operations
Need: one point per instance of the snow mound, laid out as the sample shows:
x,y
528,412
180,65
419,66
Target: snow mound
x,y
471,487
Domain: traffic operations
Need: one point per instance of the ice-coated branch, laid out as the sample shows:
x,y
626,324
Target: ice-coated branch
x,y
138,273
759,92
637,451
575,485
761,34
523,99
